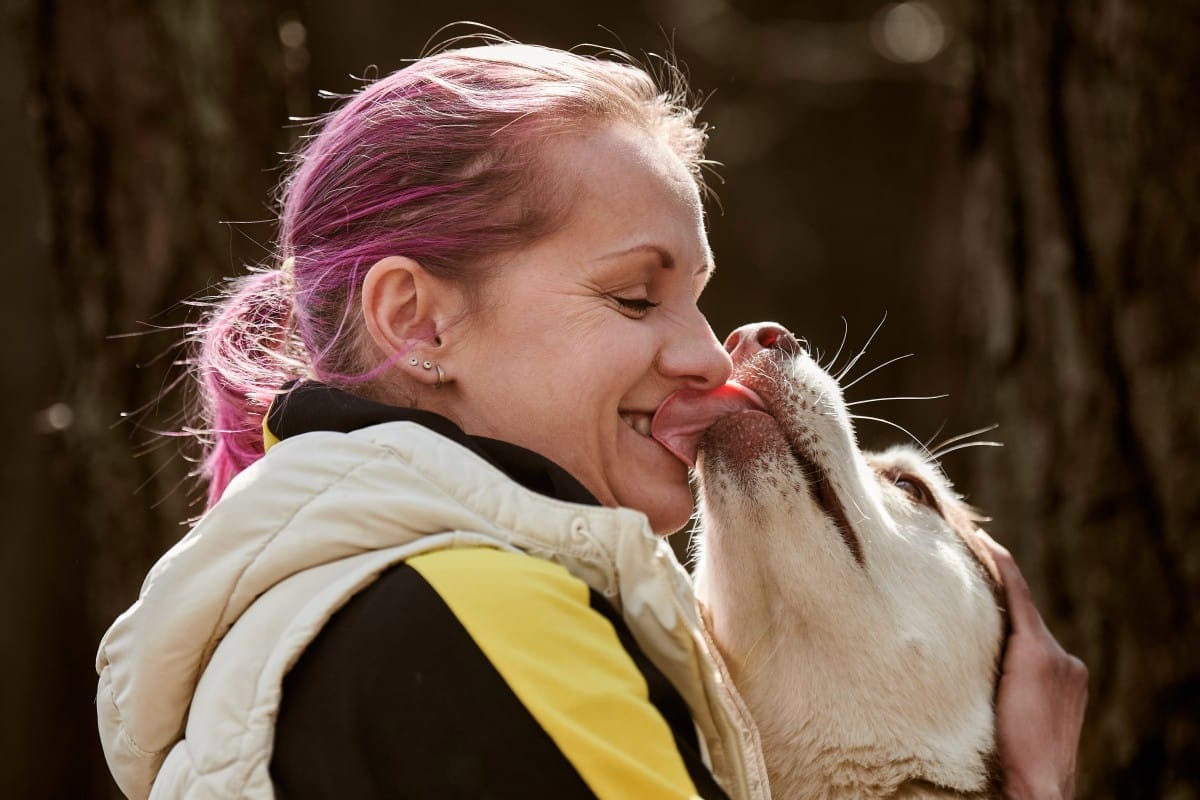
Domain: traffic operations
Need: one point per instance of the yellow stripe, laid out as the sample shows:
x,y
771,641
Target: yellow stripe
x,y
532,620
269,439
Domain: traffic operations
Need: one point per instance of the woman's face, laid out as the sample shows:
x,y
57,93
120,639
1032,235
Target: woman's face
x,y
586,332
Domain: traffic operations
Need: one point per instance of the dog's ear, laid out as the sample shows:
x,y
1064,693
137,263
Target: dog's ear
x,y
974,540
983,555
965,519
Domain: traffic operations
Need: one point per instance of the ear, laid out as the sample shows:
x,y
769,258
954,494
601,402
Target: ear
x,y
405,307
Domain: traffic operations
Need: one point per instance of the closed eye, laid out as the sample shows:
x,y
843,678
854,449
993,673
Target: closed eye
x,y
635,306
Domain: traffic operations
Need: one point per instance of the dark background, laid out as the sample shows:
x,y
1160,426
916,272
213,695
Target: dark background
x,y
1014,183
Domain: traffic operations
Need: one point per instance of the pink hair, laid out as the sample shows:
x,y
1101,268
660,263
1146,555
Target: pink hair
x,y
437,162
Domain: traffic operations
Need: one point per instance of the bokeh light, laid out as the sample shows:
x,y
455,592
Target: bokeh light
x,y
909,33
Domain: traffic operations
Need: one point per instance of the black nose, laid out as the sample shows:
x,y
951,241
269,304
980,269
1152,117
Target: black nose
x,y
750,339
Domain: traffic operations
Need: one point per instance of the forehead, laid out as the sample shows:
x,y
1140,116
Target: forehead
x,y
626,187
610,153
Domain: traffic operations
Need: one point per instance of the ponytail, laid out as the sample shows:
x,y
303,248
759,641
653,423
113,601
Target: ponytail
x,y
247,351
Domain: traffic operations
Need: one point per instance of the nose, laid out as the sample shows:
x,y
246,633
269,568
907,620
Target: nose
x,y
696,355
758,336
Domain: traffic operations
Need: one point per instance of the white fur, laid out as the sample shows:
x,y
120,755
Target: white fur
x,y
866,680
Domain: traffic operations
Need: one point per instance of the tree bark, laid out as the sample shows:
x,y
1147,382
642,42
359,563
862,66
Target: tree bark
x,y
1083,285
157,123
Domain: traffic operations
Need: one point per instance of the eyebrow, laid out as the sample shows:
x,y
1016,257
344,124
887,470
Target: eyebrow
x,y
706,268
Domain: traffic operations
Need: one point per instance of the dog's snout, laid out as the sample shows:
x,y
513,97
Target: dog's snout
x,y
750,339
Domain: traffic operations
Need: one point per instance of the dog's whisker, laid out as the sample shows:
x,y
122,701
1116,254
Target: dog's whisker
x,y
936,433
898,397
846,369
876,369
862,515
845,332
760,372
895,425
751,673
938,454
967,435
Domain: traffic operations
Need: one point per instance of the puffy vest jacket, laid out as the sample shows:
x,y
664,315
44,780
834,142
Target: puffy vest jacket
x,y
191,674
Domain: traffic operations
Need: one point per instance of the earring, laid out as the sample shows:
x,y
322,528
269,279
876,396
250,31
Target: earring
x,y
430,365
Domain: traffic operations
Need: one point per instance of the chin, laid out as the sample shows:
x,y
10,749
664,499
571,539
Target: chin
x,y
657,486
668,509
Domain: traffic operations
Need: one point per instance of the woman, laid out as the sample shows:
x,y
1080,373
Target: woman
x,y
444,579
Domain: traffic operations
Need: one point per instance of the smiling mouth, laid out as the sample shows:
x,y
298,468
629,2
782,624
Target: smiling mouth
x,y
637,420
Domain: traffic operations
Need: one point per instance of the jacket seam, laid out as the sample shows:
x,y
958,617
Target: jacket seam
x,y
126,736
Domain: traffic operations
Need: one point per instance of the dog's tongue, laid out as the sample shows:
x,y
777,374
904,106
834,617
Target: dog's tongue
x,y
684,416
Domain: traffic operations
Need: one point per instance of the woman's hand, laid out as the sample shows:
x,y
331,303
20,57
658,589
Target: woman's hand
x,y
1041,699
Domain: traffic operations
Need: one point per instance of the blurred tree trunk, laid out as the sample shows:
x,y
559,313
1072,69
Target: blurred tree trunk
x,y
1083,242
156,122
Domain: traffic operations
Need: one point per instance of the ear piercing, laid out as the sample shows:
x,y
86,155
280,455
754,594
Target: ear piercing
x,y
427,365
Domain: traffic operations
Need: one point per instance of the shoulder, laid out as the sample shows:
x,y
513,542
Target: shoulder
x,y
492,659
565,653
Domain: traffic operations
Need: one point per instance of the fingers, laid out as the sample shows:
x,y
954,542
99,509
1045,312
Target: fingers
x,y
1022,612
1042,696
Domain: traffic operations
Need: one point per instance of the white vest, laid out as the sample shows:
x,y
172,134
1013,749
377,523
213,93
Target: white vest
x,y
191,674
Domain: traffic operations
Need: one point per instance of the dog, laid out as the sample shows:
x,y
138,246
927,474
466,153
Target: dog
x,y
859,615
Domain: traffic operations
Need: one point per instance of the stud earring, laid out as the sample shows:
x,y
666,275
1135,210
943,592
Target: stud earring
x,y
430,365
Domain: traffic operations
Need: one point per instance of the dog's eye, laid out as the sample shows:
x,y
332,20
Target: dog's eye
x,y
914,488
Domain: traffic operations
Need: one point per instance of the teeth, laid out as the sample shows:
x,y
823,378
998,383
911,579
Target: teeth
x,y
639,422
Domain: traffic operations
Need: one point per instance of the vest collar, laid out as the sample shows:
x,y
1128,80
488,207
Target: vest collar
x,y
312,406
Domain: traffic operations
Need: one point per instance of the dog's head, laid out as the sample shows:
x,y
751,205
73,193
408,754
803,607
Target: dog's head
x,y
858,611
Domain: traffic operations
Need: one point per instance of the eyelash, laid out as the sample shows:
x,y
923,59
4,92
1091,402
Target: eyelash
x,y
640,305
